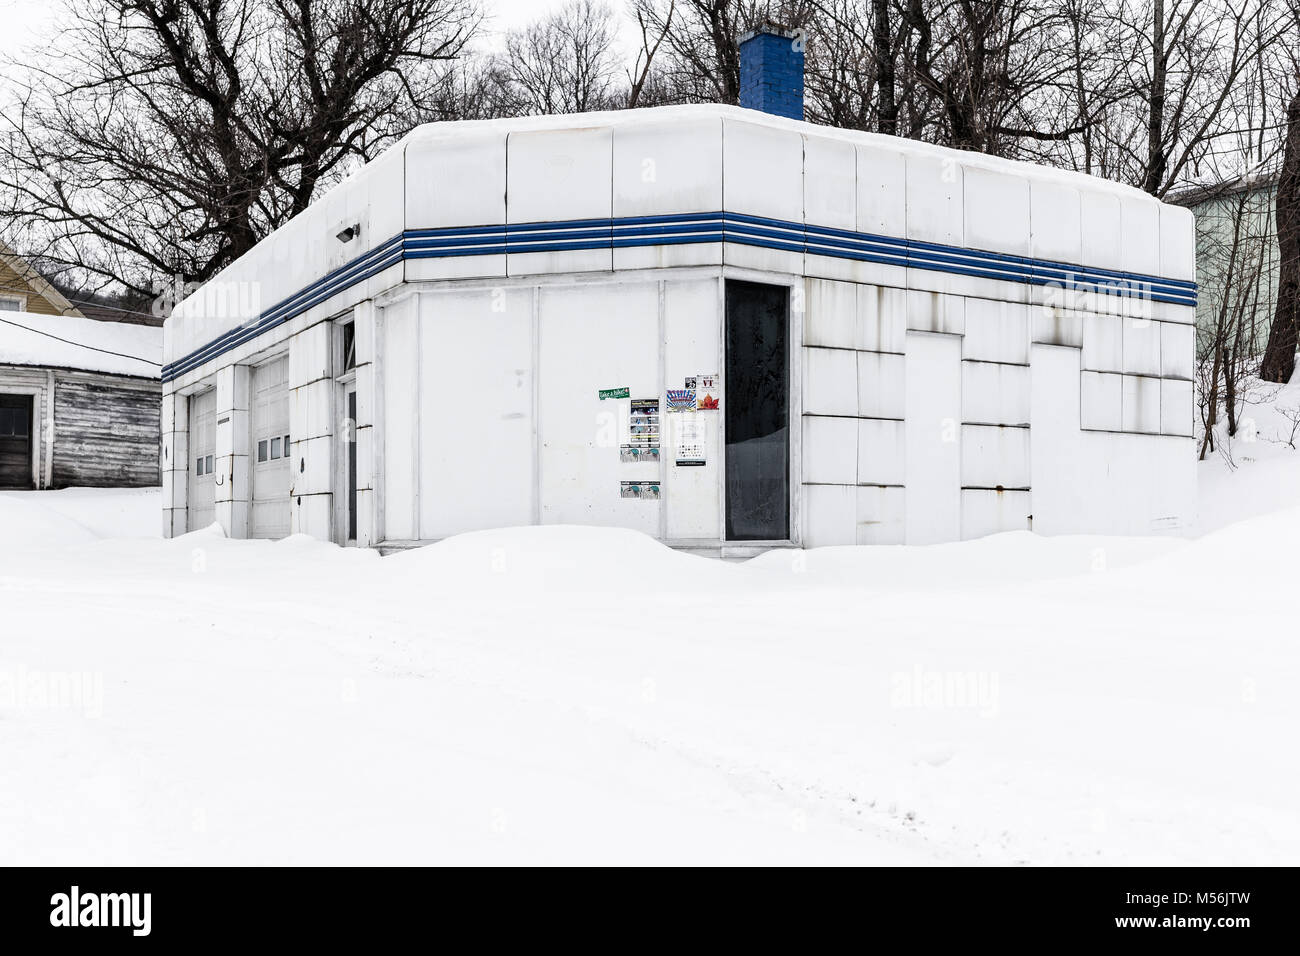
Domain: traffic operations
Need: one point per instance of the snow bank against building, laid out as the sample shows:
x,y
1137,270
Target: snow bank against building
x,y
69,342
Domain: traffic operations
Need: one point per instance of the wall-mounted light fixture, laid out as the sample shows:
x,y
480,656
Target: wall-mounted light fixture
x,y
348,234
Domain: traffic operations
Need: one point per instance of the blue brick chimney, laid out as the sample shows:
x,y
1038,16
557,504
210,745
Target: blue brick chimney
x,y
771,71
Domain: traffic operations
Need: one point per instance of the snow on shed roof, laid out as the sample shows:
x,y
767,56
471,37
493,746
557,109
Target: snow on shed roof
x,y
65,341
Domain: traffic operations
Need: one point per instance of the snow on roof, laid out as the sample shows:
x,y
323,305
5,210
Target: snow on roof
x,y
64,341
658,114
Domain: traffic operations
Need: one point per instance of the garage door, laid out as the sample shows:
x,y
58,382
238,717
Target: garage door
x,y
269,507
203,443
15,441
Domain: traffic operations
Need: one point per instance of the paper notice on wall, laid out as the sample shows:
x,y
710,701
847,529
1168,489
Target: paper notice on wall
x,y
681,399
643,431
636,454
708,391
645,490
690,431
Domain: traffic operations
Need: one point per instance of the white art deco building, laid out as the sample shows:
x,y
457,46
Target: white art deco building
x,y
722,327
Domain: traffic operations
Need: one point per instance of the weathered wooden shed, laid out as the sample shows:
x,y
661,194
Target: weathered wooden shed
x,y
79,402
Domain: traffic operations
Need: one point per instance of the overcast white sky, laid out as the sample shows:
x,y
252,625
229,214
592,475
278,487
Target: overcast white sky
x,y
26,20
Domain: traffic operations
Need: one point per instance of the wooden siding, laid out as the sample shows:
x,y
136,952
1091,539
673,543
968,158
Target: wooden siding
x,y
11,283
107,431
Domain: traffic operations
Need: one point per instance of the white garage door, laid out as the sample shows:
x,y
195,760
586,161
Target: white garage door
x,y
203,441
269,455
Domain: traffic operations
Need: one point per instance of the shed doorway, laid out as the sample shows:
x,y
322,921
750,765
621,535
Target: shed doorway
x,y
16,441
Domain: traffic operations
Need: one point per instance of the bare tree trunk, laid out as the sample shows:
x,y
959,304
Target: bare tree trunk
x,y
639,75
882,34
1211,408
1220,367
1077,27
1230,392
1157,159
1279,355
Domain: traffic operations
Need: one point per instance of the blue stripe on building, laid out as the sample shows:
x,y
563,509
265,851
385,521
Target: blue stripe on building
x,y
683,229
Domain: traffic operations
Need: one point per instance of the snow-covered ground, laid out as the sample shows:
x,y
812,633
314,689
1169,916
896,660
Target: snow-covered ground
x,y
574,695
1253,473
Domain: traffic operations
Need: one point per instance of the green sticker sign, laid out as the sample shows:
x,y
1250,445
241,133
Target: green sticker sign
x,y
623,392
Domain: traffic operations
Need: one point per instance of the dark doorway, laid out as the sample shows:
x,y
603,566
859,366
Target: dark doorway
x,y
757,401
352,464
15,441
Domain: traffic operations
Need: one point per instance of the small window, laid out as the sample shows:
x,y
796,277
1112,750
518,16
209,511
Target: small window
x,y
207,465
349,346
286,446
275,448
10,303
198,467
261,450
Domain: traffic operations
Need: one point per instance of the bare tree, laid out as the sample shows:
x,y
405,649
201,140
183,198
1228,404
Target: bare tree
x,y
166,137
1185,75
1098,66
852,64
1278,364
641,77
1017,78
562,63
701,55
984,64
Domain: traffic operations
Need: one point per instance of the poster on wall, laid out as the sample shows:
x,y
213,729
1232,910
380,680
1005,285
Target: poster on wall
x,y
643,431
645,490
681,399
690,430
708,390
635,454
